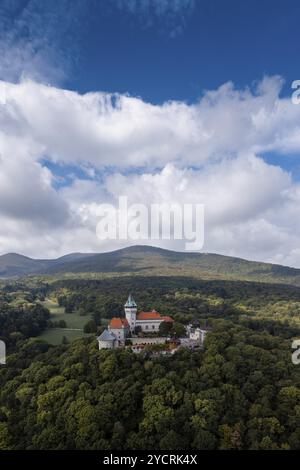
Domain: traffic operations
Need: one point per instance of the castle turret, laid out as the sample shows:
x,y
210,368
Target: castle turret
x,y
130,312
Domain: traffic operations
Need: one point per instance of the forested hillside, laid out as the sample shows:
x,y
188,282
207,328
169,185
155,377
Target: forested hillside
x,y
147,260
242,391
184,298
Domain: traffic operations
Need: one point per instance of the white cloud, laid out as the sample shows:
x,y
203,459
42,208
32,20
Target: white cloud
x,y
207,152
38,39
248,204
103,129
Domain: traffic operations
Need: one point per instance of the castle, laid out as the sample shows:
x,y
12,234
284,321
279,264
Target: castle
x,y
121,328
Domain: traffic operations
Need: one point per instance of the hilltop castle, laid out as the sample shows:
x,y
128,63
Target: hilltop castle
x,y
121,328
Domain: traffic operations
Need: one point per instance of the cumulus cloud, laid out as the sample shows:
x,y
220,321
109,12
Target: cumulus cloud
x,y
118,130
26,192
248,204
210,152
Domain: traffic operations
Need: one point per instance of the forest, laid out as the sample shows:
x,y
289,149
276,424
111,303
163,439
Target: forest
x,y
241,391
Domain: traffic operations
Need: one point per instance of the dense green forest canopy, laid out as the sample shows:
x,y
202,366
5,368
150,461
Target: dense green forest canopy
x,y
184,298
20,323
241,392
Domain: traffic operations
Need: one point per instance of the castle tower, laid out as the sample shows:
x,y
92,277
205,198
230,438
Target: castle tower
x,y
130,312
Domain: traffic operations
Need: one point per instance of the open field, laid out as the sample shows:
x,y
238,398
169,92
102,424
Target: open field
x,y
55,336
74,321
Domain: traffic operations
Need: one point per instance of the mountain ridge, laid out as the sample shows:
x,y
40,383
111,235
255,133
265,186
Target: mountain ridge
x,y
148,259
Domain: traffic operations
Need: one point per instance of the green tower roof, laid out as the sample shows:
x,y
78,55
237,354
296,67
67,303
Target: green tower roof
x,y
130,302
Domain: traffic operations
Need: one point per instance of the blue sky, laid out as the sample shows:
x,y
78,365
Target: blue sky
x,y
219,41
154,99
157,49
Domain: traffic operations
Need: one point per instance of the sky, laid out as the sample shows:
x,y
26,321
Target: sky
x,y
157,100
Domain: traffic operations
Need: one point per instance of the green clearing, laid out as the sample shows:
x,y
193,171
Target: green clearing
x,y
74,321
55,336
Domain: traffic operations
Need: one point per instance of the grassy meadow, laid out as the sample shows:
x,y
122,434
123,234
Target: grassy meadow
x,y
75,324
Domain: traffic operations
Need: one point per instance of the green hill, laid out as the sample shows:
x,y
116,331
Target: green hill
x,y
147,260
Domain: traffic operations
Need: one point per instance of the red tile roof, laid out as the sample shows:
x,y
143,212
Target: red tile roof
x,y
167,319
154,315
117,323
149,315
